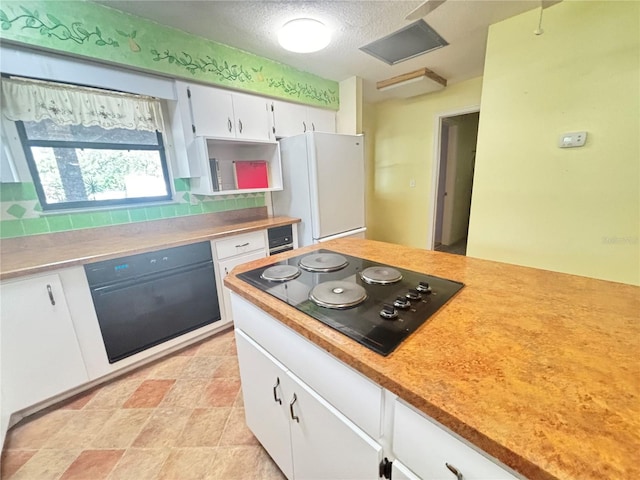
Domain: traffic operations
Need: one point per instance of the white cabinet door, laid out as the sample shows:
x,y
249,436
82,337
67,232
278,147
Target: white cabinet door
x,y
321,120
326,445
264,405
40,353
306,437
212,111
432,452
292,119
289,119
400,472
251,117
225,267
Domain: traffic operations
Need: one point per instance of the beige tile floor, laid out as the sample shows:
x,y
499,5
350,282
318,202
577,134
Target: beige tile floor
x,y
180,418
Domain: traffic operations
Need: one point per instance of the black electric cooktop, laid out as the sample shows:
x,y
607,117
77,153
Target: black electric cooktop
x,y
377,305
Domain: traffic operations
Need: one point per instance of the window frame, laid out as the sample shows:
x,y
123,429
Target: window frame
x,y
92,204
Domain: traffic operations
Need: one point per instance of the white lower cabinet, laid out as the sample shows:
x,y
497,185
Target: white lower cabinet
x,y
225,267
307,437
41,356
401,472
230,252
434,453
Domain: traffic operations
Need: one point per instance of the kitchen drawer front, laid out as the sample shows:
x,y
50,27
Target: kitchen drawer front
x,y
426,448
239,244
333,380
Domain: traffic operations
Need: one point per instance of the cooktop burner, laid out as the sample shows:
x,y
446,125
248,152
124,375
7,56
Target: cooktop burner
x,y
323,262
281,273
381,275
338,294
376,305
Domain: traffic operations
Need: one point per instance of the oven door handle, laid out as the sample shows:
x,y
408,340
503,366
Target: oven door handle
x,y
149,278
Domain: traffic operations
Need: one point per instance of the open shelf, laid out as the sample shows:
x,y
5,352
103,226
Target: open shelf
x,y
215,171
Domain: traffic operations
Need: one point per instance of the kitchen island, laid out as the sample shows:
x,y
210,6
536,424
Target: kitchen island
x,y
538,369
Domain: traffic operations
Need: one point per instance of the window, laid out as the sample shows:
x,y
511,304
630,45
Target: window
x,y
90,148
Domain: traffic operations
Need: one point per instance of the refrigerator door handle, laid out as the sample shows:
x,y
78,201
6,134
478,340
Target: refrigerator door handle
x,y
342,234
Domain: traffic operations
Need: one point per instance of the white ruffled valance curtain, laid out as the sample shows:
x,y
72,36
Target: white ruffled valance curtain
x,y
33,101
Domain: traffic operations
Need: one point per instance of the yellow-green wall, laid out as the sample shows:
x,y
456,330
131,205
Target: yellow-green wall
x,y
570,210
403,150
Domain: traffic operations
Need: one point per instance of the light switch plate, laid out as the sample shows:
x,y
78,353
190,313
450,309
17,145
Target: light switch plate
x,y
572,139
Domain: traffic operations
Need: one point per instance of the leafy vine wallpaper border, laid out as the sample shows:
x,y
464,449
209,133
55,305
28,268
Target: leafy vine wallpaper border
x,y
82,28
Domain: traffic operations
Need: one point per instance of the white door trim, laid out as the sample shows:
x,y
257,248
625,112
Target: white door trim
x,y
435,167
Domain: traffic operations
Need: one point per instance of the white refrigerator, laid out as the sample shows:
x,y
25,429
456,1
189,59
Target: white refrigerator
x,y
323,185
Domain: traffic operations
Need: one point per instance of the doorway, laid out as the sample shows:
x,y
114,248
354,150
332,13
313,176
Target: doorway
x,y
453,180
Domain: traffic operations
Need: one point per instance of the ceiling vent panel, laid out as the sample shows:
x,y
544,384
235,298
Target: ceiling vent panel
x,y
406,43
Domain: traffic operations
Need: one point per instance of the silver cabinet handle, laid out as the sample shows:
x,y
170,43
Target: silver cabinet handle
x,y
50,292
229,124
455,471
240,125
293,416
243,245
313,126
304,125
275,395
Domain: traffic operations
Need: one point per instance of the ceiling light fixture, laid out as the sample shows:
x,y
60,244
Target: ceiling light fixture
x,y
304,35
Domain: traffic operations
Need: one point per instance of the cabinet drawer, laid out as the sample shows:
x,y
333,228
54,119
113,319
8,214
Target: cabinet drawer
x,y
332,379
238,244
426,448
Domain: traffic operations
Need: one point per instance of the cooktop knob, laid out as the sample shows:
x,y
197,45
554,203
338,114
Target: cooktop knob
x,y
388,312
413,295
401,302
424,287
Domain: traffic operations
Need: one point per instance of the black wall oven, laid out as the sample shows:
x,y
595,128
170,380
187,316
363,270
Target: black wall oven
x,y
143,300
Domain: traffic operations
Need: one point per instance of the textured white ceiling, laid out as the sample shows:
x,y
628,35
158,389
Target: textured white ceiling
x,y
251,26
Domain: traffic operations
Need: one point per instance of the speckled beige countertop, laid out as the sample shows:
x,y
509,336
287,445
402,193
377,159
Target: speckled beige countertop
x,y
539,369
39,253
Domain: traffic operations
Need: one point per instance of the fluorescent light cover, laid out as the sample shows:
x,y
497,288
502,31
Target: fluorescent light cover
x,y
304,35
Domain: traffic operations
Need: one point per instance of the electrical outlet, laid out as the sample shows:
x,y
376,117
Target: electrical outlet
x,y
412,183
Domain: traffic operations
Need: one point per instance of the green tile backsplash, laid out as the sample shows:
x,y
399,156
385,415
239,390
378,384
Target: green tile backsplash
x,y
20,211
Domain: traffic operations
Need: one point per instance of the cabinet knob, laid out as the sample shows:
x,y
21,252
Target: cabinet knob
x,y
50,292
293,416
455,471
275,395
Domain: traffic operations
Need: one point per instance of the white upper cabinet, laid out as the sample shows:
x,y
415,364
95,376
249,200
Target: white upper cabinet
x,y
293,119
288,119
251,117
321,120
212,112
228,141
